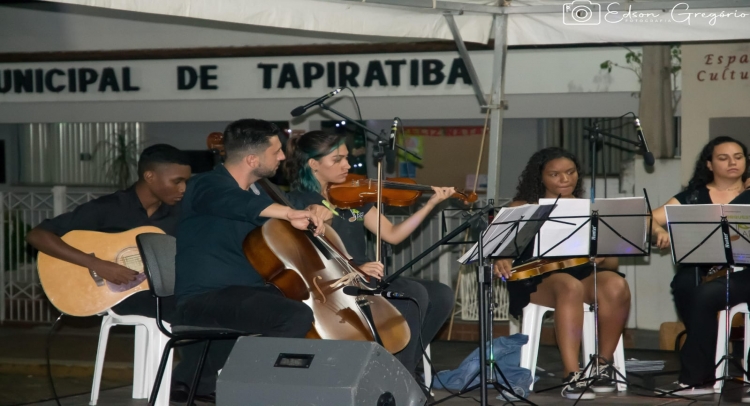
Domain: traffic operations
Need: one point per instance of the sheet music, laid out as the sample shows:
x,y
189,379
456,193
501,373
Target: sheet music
x,y
632,229
740,246
502,236
552,232
685,237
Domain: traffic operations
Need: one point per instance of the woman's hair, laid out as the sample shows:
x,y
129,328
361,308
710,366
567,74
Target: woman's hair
x,y
315,145
530,186
702,176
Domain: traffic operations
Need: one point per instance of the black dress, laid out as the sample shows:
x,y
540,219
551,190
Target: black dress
x,y
697,304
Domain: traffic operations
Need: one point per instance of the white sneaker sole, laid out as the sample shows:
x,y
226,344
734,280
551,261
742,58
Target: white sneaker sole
x,y
603,389
585,396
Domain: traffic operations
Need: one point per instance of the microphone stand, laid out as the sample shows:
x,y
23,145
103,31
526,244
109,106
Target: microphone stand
x,y
371,135
381,144
595,137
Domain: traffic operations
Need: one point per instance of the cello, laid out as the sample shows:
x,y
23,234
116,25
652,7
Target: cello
x,y
314,270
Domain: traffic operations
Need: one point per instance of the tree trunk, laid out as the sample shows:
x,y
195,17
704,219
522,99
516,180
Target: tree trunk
x,y
655,108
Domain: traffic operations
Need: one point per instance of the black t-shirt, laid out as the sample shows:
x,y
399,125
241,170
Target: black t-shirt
x,y
216,217
349,224
114,213
700,195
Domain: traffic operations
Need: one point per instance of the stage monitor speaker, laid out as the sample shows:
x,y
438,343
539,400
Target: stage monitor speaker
x,y
271,371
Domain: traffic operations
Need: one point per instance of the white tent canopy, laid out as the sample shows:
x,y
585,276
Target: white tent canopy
x,y
529,22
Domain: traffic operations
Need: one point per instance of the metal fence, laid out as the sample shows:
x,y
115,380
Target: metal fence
x,y
21,297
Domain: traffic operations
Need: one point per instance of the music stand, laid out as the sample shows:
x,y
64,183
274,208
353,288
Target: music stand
x,y
708,242
509,233
604,227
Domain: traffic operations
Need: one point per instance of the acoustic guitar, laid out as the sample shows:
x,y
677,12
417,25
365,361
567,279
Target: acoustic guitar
x,y
79,291
543,266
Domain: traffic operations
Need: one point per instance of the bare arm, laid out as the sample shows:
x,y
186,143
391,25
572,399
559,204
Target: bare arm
x,y
659,235
52,245
395,233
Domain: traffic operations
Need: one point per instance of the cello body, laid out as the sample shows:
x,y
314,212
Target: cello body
x,y
288,259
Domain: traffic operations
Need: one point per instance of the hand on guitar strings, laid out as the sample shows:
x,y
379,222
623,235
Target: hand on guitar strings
x,y
374,269
301,220
115,273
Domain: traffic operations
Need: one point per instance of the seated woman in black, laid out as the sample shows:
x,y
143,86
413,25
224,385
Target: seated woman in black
x,y
315,160
718,178
550,173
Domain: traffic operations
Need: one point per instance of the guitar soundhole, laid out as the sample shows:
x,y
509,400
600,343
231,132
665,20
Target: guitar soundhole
x,y
129,258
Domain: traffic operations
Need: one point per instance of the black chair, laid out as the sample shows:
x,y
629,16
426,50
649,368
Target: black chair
x,y
158,256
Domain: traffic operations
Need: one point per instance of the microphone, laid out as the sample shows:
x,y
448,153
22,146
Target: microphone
x,y
392,136
354,291
302,109
648,157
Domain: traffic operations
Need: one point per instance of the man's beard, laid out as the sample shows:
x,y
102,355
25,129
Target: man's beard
x,y
262,173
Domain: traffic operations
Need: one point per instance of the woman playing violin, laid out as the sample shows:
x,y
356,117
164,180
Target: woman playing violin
x,y
550,173
317,160
718,178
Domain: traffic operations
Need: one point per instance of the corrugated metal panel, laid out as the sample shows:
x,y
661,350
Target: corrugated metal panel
x,y
77,153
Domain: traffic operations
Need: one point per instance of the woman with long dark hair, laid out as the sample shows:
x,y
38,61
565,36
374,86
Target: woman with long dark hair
x,y
550,173
316,160
718,178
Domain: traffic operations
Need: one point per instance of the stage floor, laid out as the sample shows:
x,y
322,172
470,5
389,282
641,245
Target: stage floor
x,y
448,355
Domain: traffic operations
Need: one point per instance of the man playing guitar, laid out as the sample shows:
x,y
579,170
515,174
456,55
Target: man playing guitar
x,y
151,201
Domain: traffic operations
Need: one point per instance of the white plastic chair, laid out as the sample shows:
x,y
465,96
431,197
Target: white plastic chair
x,y
148,346
427,367
532,326
720,348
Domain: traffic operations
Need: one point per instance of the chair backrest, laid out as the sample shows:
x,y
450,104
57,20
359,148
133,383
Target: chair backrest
x,y
157,253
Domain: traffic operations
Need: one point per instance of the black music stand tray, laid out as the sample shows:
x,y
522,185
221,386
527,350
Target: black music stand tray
x,y
721,254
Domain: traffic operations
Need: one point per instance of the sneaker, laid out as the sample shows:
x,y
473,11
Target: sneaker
x,y
605,382
576,387
680,389
746,397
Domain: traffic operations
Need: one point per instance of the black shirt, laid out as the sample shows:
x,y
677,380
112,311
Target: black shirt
x,y
216,217
120,211
349,224
700,195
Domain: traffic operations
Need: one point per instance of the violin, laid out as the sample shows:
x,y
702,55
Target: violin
x,y
543,266
357,190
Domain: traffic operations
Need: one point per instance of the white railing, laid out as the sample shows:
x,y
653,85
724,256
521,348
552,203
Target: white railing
x,y
442,264
21,297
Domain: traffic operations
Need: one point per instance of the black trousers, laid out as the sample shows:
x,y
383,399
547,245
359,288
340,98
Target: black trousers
x,y
254,310
144,304
697,305
435,303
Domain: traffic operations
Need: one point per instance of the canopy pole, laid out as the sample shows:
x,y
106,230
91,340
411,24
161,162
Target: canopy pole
x,y
464,53
497,109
